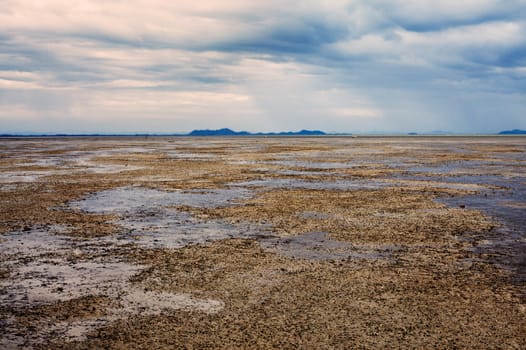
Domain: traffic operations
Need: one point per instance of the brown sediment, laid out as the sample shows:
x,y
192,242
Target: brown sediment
x,y
69,310
389,265
35,204
273,302
384,216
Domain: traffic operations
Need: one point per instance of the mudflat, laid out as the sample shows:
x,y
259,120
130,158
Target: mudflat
x,y
312,243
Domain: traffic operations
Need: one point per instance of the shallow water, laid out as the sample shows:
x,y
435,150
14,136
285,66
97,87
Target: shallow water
x,y
130,199
47,268
147,216
338,185
312,164
501,194
507,206
318,246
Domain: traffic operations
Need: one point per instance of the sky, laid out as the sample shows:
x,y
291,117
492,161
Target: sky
x,y
339,66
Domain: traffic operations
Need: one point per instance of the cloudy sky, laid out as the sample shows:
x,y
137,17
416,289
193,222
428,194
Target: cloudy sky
x,y
334,65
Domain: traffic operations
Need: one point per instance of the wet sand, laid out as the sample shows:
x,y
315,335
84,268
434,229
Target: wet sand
x,y
401,242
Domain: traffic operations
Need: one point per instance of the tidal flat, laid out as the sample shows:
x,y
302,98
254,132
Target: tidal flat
x,y
263,242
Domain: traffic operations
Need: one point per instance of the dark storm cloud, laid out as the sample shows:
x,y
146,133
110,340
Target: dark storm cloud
x,y
291,38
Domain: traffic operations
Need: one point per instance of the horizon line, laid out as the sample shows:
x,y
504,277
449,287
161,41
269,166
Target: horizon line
x,y
253,134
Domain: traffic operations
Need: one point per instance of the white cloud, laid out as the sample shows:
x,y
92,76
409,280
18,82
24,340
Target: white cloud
x,y
447,46
18,113
357,113
500,34
424,12
15,84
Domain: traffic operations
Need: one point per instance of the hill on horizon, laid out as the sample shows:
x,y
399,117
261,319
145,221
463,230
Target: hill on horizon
x,y
230,132
513,132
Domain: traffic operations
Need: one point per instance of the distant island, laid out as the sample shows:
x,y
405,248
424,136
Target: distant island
x,y
431,133
218,132
230,132
226,132
513,132
203,132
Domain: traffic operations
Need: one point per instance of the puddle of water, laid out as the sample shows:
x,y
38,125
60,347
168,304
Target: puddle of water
x,y
79,165
90,166
152,303
495,200
468,168
132,199
312,164
46,281
340,185
495,183
116,150
41,272
147,219
136,301
22,176
506,243
193,156
496,186
317,246
302,173
242,162
71,160
168,228
8,187
314,215
33,242
347,185
427,182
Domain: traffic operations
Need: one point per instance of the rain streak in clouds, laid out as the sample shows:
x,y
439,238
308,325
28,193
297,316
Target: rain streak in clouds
x,y
345,66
